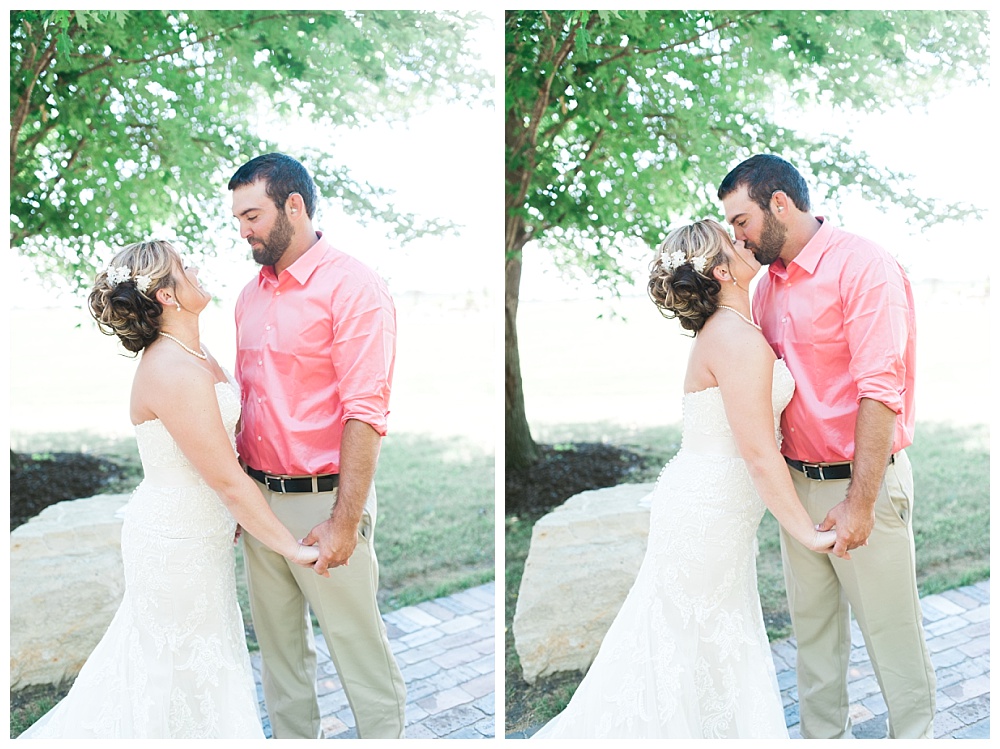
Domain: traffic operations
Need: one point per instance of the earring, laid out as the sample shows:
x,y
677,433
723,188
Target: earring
x,y
178,306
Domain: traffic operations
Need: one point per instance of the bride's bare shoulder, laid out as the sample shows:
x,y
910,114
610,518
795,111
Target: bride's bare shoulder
x,y
731,340
163,372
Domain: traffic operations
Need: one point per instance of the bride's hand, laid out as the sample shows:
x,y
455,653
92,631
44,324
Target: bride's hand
x,y
823,542
305,556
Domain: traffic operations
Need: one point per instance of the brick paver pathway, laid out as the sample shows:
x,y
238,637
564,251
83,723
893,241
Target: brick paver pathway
x,y
445,649
957,625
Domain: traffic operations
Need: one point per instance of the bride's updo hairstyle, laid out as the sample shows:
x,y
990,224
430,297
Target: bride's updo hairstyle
x,y
123,298
681,283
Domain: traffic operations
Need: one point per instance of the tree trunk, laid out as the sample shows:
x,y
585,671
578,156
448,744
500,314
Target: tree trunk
x,y
520,449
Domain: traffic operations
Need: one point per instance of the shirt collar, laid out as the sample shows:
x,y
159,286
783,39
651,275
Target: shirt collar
x,y
815,248
302,268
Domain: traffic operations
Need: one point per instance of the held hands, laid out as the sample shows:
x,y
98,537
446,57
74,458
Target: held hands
x,y
853,523
336,544
823,542
304,555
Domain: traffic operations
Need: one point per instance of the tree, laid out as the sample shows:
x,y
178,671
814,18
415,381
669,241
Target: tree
x,y
122,121
620,123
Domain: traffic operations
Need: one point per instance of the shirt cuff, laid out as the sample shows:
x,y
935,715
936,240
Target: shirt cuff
x,y
889,397
377,420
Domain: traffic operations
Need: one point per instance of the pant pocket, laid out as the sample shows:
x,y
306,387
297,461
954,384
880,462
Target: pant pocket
x,y
365,528
897,496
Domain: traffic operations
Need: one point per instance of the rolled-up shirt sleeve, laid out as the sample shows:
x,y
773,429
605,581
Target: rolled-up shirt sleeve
x,y
877,326
363,354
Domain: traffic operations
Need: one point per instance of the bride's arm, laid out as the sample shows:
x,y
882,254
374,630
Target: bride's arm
x,y
185,400
743,365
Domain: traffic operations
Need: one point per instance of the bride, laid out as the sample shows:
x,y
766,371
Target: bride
x,y
174,661
687,655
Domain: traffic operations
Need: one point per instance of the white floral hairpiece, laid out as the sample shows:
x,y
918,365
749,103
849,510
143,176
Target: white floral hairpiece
x,y
119,273
677,258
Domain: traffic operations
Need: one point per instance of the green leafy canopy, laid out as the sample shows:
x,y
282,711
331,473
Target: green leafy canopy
x,y
619,123
127,121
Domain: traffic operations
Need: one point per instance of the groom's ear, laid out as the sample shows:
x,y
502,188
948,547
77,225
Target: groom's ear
x,y
295,205
779,203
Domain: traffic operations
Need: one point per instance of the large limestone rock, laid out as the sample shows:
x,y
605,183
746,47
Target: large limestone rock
x,y
584,557
66,582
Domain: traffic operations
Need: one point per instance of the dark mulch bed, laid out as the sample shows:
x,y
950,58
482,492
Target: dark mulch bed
x,y
565,470
39,480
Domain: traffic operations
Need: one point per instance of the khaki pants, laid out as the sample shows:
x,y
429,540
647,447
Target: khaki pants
x,y
878,584
348,615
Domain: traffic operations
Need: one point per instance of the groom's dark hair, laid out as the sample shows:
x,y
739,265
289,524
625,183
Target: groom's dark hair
x,y
283,176
763,175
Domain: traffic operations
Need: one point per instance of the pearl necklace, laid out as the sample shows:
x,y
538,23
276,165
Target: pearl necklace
x,y
747,319
201,355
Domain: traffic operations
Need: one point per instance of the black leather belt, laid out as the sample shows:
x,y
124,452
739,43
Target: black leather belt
x,y
326,482
825,471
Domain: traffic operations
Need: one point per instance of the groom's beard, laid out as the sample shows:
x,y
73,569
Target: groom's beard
x,y
269,251
772,239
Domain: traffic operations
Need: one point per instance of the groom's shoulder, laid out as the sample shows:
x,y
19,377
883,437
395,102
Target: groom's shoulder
x,y
343,271
856,243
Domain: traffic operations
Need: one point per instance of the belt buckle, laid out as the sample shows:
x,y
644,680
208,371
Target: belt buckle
x,y
279,479
809,468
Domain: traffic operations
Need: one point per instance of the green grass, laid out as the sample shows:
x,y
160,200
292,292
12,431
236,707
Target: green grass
x,y
435,529
29,705
951,521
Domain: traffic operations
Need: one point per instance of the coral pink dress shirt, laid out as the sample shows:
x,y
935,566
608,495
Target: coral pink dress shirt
x,y
315,347
841,316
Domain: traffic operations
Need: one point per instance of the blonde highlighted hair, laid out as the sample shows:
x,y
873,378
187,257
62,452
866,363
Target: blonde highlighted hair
x,y
120,308
677,288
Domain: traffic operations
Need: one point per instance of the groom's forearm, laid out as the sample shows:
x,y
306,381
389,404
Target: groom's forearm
x,y
873,435
359,449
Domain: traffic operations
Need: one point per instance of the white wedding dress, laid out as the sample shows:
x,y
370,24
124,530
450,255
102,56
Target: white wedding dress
x,y
174,661
687,655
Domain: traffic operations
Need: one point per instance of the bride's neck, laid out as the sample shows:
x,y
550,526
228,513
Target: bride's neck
x,y
733,296
187,331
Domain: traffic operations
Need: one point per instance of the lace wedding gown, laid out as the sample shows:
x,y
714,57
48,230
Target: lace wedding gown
x,y
174,661
687,655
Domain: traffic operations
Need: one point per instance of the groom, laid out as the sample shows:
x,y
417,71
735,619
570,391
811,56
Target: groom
x,y
316,337
838,309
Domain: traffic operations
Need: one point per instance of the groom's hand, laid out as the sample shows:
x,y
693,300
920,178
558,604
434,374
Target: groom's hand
x,y
853,523
336,544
